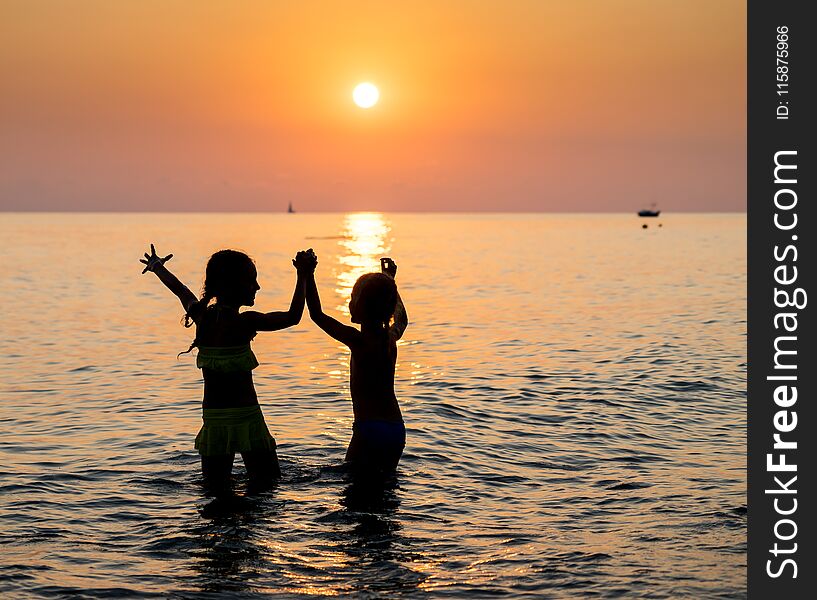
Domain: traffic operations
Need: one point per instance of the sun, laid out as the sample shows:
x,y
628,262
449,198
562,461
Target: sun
x,y
366,95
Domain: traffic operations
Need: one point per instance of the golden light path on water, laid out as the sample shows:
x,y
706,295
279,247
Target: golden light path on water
x,y
364,240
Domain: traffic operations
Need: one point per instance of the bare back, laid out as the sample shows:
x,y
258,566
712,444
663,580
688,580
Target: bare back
x,y
371,378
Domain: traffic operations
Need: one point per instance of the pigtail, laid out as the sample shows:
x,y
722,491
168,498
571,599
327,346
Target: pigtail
x,y
196,307
193,344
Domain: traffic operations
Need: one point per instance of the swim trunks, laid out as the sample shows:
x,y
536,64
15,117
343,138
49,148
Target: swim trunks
x,y
381,437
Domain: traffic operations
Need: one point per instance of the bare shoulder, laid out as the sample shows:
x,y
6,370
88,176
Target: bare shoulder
x,y
253,320
195,309
250,316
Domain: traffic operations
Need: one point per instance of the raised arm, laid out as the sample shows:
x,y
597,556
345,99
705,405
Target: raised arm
x,y
342,333
156,264
389,267
400,320
274,321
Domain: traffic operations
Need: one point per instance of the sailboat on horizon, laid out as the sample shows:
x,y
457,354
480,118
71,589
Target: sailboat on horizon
x,y
290,209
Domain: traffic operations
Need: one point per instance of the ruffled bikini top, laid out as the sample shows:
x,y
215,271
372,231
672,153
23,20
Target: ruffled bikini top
x,y
226,359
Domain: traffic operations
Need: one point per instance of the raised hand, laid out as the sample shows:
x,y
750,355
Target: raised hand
x,y
388,266
151,261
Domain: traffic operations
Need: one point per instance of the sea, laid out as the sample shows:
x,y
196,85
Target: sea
x,y
573,387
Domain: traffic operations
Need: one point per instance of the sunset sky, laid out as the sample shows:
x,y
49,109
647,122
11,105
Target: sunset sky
x,y
537,105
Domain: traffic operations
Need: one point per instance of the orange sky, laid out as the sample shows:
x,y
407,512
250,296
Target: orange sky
x,y
580,105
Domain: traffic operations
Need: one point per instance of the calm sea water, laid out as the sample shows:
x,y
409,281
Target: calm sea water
x,y
573,389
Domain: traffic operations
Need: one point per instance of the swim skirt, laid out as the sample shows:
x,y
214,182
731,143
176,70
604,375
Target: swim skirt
x,y
231,430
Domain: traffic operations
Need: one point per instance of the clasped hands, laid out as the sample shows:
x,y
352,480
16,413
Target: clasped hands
x,y
305,261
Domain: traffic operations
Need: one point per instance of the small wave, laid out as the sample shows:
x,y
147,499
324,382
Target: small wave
x,y
688,386
632,485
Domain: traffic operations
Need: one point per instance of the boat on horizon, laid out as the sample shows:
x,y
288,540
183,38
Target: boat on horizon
x,y
290,209
649,212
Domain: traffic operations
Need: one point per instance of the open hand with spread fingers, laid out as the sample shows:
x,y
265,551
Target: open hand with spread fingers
x,y
151,261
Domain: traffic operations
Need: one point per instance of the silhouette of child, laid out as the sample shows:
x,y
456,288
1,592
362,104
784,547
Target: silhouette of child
x,y
232,418
378,432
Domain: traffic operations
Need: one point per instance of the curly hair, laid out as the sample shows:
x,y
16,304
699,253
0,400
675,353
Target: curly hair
x,y
224,273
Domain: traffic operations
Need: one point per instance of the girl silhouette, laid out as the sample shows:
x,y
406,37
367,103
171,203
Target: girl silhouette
x,y
232,418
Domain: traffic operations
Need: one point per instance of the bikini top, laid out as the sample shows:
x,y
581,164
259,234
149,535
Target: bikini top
x,y
226,359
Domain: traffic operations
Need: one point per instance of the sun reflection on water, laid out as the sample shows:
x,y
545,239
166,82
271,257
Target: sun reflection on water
x,y
364,241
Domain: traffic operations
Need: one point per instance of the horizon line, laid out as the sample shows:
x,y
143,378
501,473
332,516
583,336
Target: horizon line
x,y
394,212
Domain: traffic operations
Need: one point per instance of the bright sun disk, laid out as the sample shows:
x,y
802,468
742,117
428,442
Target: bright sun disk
x,y
366,95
